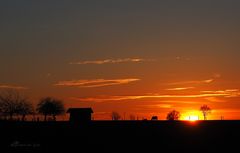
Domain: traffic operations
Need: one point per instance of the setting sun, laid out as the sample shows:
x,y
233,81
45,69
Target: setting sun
x,y
193,118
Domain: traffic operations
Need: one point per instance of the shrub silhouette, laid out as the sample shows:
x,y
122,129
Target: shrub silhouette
x,y
115,116
173,115
132,117
50,106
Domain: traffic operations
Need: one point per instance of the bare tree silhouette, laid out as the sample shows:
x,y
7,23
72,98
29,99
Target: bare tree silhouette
x,y
50,106
115,116
132,117
205,109
173,115
24,108
12,103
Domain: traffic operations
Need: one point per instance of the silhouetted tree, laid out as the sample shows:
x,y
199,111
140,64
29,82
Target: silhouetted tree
x,y
24,108
50,106
34,115
132,117
205,110
115,116
173,115
10,102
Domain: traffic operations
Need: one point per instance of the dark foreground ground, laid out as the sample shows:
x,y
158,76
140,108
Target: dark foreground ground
x,y
121,136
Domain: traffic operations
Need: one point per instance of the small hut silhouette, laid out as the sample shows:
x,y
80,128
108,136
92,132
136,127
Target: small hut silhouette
x,y
154,118
79,115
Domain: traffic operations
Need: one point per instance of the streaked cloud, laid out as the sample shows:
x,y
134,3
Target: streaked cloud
x,y
192,82
228,92
162,105
105,98
179,89
13,87
180,101
154,106
95,82
120,98
183,58
112,61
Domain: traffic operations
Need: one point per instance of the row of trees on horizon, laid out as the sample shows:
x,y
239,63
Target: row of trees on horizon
x,y
14,105
172,115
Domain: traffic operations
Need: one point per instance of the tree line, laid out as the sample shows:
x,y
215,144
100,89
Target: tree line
x,y
14,105
171,116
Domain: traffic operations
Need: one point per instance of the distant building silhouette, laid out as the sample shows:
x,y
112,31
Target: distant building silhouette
x,y
154,118
79,115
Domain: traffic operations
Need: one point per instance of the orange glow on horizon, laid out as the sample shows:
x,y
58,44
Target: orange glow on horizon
x,y
191,116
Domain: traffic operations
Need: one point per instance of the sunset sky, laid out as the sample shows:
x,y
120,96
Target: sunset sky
x,y
141,57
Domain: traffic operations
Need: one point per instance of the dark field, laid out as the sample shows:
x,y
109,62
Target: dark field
x,y
121,136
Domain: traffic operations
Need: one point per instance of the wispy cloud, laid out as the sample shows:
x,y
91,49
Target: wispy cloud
x,y
161,106
120,98
180,101
192,82
182,58
13,87
113,61
96,82
179,89
228,92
